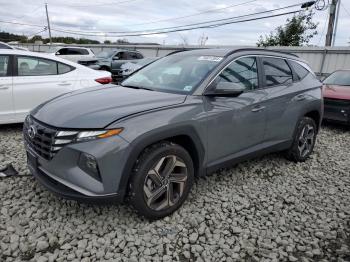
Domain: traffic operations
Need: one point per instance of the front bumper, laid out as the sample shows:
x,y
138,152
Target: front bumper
x,y
62,175
337,110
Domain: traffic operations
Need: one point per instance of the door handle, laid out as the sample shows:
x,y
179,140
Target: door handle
x,y
64,84
4,87
258,108
300,97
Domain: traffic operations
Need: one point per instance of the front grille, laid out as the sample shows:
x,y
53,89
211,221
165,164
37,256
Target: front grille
x,y
46,141
336,102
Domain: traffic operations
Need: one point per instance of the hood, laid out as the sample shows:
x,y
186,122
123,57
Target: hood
x,y
336,92
100,106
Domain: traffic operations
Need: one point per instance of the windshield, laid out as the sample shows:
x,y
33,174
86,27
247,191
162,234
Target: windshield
x,y
174,74
105,54
338,78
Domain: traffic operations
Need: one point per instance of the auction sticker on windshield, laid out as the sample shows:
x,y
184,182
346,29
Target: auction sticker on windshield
x,y
210,58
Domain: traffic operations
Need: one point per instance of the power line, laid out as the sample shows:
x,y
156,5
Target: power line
x,y
184,29
175,27
195,14
20,23
102,4
30,36
29,13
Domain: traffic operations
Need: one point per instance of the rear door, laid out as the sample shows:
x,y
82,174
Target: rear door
x,y
38,80
282,110
7,112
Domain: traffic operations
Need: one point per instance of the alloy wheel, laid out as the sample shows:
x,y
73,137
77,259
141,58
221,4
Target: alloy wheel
x,y
306,140
165,183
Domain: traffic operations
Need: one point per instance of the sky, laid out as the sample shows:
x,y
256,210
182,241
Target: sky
x,y
132,15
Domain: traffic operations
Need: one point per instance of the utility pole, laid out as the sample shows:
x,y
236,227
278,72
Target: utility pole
x,y
48,23
336,23
331,23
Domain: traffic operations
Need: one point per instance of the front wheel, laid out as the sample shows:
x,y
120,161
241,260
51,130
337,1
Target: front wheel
x,y
304,140
161,181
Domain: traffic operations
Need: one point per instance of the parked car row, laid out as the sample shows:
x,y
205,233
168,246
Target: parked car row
x,y
177,117
120,63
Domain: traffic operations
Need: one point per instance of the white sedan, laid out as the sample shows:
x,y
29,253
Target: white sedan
x,y
28,79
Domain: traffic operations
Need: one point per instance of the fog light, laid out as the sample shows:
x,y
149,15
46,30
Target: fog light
x,y
89,164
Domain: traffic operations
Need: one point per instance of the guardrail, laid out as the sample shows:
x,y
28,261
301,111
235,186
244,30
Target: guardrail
x,y
323,60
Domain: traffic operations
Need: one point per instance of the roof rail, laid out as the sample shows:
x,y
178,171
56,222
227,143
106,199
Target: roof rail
x,y
259,49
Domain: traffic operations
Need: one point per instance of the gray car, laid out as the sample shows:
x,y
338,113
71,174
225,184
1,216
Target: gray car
x,y
183,116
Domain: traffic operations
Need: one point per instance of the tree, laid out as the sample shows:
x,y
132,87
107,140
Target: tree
x,y
297,31
107,42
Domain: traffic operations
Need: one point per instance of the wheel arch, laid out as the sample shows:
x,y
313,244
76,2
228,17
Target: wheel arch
x,y
185,136
316,116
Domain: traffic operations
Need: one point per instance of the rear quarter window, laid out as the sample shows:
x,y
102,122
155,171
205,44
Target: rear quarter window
x,y
299,70
63,69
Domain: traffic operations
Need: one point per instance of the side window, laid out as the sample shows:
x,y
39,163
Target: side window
x,y
62,51
242,71
277,71
299,70
4,64
35,66
62,68
134,55
77,51
84,51
123,56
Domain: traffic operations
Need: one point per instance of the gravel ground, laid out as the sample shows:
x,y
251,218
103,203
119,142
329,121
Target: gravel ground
x,y
260,210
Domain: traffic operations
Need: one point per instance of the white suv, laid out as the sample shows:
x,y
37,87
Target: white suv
x,y
74,54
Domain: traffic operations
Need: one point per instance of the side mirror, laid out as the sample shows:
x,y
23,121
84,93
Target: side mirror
x,y
225,89
57,53
116,57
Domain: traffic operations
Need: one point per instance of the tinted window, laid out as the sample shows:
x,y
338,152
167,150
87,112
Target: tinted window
x,y
4,63
35,66
122,55
338,78
133,55
299,70
3,46
243,72
62,51
62,68
77,51
277,71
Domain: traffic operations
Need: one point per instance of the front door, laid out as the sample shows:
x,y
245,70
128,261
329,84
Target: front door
x,y
236,124
7,111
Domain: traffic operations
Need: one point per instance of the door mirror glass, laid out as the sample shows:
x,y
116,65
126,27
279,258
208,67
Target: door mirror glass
x,y
116,57
57,53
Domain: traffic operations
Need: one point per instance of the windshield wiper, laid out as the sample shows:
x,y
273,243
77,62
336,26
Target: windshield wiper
x,y
137,87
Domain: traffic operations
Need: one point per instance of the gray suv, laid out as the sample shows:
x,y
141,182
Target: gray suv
x,y
183,116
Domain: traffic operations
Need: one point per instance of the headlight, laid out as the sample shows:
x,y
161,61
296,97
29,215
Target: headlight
x,y
90,135
76,136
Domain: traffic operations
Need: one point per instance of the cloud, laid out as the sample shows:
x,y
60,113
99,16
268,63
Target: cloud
x,y
108,15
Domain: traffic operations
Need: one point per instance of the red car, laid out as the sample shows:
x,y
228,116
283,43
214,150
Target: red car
x,y
336,94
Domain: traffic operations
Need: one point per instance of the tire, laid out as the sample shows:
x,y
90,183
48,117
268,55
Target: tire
x,y
154,173
303,141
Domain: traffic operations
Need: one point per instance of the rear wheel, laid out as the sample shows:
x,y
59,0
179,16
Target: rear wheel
x,y
161,181
304,140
